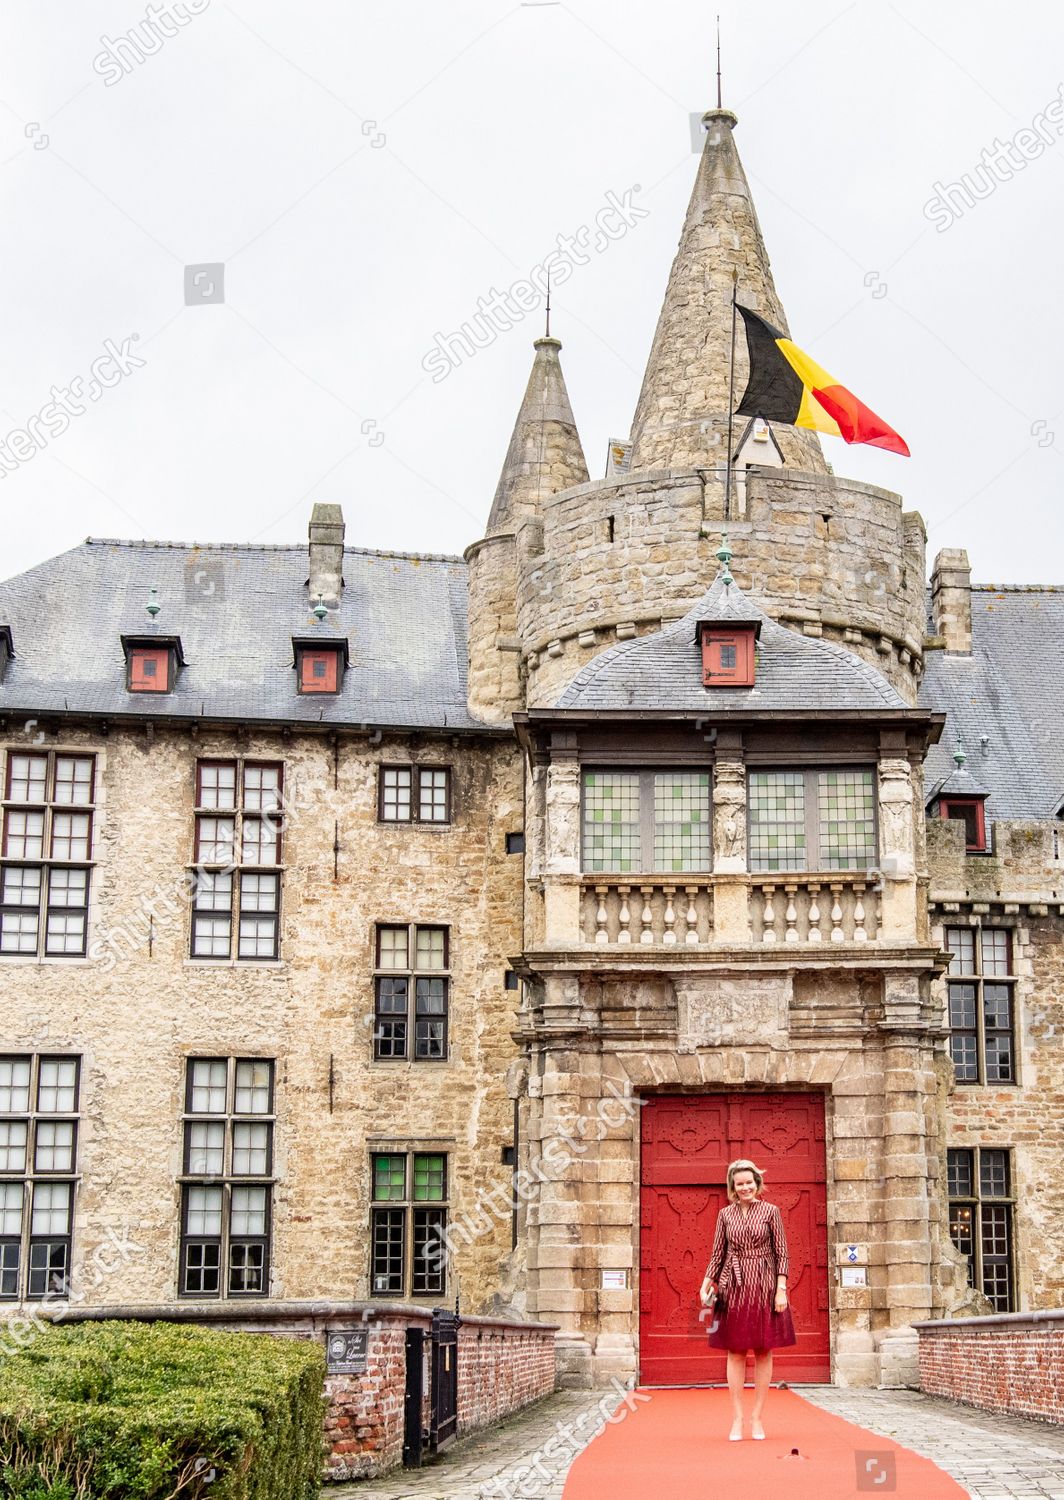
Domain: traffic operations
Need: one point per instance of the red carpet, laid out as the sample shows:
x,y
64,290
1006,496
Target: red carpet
x,y
676,1445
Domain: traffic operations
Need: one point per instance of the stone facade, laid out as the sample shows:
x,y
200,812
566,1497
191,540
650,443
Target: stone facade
x,y
636,984
137,1006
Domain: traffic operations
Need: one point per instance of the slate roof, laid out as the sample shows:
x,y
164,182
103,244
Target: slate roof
x,y
1011,689
664,670
236,609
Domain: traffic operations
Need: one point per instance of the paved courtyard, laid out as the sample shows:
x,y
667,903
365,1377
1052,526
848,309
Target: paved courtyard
x,y
994,1458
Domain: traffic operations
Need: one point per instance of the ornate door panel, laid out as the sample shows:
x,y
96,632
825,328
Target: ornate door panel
x,y
687,1142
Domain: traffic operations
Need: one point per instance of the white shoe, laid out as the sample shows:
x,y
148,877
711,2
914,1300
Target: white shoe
x,y
759,1437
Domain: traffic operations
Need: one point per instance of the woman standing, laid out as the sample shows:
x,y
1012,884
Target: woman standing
x,y
748,1271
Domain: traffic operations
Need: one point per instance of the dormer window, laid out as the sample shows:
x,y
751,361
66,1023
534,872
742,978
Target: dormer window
x,y
152,664
320,665
728,654
7,650
969,811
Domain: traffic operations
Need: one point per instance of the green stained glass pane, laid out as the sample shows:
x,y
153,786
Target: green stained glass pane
x,y
847,819
611,820
776,802
428,1177
681,821
389,1177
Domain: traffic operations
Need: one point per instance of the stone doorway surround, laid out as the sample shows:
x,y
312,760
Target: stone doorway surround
x,y
857,1037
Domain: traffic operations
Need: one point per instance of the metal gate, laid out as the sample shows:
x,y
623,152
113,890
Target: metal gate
x,y
432,1366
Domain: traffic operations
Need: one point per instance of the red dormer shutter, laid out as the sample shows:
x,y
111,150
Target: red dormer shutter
x,y
319,671
149,669
727,655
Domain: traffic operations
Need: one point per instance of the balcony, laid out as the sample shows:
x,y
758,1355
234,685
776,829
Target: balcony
x,y
783,910
648,910
827,908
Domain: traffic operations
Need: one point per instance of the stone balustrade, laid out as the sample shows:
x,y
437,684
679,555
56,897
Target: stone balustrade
x,y
647,909
830,907
678,911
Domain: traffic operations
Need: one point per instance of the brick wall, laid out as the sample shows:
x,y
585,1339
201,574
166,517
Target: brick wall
x,y
1012,1363
502,1366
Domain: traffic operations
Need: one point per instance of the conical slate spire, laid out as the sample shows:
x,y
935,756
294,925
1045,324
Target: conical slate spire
x,y
544,456
681,418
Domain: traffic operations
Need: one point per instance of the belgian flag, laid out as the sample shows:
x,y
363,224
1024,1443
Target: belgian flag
x,y
785,385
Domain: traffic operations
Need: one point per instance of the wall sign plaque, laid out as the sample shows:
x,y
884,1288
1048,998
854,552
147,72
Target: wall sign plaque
x,y
346,1350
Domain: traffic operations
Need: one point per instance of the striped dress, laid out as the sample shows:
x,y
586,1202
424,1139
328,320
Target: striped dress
x,y
749,1251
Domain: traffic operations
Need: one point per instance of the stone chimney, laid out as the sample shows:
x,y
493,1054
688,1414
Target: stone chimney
x,y
326,554
951,599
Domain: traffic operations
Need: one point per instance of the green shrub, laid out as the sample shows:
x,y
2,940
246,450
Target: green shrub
x,y
144,1411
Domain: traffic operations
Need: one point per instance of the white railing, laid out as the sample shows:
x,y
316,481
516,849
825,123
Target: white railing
x,y
813,908
648,909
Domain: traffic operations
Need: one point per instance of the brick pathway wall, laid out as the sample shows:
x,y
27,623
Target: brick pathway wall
x,y
1012,1363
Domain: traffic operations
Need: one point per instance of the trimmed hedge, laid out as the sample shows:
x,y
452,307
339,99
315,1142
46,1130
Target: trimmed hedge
x,y
145,1411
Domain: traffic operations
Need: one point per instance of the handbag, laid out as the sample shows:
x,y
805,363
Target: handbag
x,y
714,1311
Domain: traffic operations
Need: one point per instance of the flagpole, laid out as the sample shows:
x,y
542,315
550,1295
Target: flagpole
x,y
731,398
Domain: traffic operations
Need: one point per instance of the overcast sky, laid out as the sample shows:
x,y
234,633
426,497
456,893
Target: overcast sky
x,y
365,172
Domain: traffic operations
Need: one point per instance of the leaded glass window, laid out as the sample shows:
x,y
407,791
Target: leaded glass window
x,y
980,998
645,821
225,1230
39,1104
981,1200
44,903
408,1233
398,1034
812,819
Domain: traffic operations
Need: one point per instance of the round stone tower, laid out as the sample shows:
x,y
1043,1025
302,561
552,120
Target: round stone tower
x,y
569,566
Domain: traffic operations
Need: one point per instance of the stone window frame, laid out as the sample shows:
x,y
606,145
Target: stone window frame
x,y
399,1221
647,823
978,978
197,1171
385,1018
20,1279
811,827
49,807
415,772
978,1204
221,887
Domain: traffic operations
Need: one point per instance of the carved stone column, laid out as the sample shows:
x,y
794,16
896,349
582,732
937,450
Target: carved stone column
x,y
897,850
561,867
729,816
731,895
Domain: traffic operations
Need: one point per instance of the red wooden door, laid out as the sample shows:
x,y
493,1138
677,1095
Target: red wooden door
x,y
687,1142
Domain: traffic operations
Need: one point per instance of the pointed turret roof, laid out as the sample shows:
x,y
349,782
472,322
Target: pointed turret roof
x,y
681,417
544,455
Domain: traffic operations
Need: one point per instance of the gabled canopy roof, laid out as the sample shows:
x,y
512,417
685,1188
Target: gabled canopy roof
x,y
664,670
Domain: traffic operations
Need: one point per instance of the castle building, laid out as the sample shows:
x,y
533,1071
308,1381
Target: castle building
x,y
357,904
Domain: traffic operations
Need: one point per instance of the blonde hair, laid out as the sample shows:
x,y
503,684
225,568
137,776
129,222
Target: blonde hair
x,y
742,1165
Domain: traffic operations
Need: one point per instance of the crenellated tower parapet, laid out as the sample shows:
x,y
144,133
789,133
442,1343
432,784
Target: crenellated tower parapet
x,y
828,556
